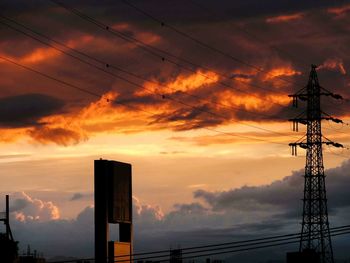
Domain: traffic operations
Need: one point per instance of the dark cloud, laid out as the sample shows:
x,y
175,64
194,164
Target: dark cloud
x,y
27,110
58,237
19,204
281,196
187,118
175,11
60,136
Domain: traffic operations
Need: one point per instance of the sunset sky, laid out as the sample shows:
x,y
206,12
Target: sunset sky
x,y
197,105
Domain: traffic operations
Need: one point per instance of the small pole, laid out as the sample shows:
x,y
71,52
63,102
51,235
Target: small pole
x,y
7,222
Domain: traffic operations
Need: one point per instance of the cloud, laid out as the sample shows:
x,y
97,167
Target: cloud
x,y
339,11
288,191
333,64
26,208
278,72
58,237
146,216
27,110
60,136
285,18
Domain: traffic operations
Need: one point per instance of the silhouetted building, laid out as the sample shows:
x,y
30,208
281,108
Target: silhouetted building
x,y
30,257
8,249
113,205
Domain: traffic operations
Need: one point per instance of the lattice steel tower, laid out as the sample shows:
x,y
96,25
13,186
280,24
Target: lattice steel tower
x,y
315,235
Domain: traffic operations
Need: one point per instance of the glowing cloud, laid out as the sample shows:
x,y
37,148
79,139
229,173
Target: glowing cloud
x,y
280,72
333,64
181,83
27,208
251,102
339,11
284,18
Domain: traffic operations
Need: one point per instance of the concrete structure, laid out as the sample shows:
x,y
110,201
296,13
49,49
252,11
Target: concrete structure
x,y
113,205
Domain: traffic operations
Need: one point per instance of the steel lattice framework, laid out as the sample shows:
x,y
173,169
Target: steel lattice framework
x,y
315,233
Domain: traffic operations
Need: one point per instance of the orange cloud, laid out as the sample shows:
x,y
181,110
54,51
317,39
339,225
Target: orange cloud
x,y
280,72
183,83
11,135
333,64
40,54
284,18
46,53
107,116
36,56
144,36
251,102
35,209
103,115
339,11
61,136
84,39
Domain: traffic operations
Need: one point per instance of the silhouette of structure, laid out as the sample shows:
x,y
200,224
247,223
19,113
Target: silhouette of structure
x,y
30,257
315,235
5,217
113,205
8,247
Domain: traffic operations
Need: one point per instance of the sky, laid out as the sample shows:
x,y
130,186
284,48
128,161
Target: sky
x,y
194,94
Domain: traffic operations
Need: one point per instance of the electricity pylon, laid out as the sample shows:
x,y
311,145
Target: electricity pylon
x,y
315,235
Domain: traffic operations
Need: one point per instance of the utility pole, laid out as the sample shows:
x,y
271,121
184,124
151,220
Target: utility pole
x,y
315,235
5,217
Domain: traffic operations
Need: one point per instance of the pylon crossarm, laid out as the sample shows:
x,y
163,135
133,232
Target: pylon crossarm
x,y
336,120
331,94
305,121
305,145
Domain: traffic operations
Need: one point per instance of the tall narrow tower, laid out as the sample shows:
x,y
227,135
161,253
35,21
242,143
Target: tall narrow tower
x,y
315,235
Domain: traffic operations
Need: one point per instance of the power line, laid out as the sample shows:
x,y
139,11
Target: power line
x,y
94,94
243,249
127,105
243,245
161,54
129,73
239,245
133,83
201,43
157,52
301,61
138,85
247,33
